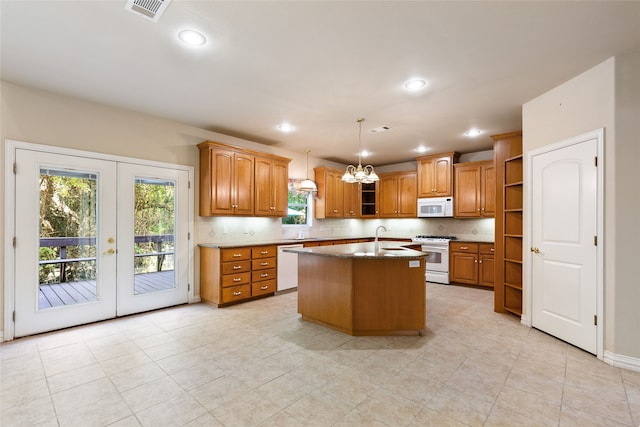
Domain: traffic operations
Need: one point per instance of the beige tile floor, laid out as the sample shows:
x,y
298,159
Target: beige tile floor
x,y
259,364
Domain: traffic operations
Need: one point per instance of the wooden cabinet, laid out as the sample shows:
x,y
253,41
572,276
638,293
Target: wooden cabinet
x,y
398,195
486,267
435,174
226,181
339,199
229,186
271,179
471,263
233,275
508,226
474,190
330,200
351,200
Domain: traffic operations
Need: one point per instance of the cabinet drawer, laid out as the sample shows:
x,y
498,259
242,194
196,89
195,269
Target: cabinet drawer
x,y
264,287
236,267
237,254
236,293
263,252
486,248
236,279
260,275
463,247
263,263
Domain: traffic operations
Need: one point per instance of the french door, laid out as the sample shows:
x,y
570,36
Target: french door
x,y
96,239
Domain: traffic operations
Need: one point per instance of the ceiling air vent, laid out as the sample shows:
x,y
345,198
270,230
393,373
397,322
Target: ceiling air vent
x,y
380,129
151,9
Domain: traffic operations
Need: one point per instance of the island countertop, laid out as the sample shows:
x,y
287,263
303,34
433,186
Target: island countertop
x,y
364,250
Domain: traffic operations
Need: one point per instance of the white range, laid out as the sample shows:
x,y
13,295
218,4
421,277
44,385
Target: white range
x,y
438,259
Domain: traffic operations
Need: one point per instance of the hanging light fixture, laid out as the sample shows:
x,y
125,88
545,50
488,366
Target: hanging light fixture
x,y
360,174
308,185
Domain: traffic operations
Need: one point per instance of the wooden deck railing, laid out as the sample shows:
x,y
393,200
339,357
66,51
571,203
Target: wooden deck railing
x,y
64,242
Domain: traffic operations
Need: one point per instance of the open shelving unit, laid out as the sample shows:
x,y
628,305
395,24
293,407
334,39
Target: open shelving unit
x,y
508,227
369,195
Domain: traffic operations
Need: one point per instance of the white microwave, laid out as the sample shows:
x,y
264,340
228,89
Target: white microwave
x,y
435,207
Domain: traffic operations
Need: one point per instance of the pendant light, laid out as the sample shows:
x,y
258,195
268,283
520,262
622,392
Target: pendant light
x,y
360,174
308,185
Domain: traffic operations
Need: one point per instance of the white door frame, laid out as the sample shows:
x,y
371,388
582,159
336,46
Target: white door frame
x,y
9,216
527,303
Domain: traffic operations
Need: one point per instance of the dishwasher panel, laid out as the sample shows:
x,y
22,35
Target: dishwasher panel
x,y
287,268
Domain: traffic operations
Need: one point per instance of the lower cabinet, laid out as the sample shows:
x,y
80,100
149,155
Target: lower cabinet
x,y
471,263
235,274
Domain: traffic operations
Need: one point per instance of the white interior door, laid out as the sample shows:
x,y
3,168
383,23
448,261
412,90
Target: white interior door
x,y
153,255
65,260
564,206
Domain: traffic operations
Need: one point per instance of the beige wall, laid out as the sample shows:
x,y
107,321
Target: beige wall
x,y
587,102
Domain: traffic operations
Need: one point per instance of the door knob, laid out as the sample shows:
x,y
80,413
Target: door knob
x,y
535,250
109,252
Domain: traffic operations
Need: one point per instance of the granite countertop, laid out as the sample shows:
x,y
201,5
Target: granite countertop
x,y
368,250
279,242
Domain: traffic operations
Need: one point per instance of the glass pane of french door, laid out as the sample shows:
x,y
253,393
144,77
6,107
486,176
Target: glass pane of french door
x,y
153,254
68,225
65,228
154,228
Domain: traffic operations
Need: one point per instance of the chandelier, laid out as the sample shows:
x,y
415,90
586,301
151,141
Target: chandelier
x,y
360,174
308,185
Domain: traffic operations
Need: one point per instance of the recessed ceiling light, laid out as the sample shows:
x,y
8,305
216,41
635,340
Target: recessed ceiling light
x,y
415,84
192,37
473,132
365,153
285,127
421,149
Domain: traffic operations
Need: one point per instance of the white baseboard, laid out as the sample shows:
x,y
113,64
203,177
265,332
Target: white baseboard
x,y
622,361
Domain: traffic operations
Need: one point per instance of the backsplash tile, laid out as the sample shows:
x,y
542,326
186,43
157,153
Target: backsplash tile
x,y
239,229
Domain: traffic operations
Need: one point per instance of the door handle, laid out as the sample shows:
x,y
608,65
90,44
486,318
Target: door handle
x,y
535,250
109,252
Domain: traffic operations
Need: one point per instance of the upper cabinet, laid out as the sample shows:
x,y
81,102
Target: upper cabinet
x,y
397,193
330,200
271,178
435,174
351,199
232,177
474,190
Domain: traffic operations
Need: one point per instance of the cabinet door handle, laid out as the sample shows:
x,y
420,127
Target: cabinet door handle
x,y
264,263
476,260
235,294
237,255
237,279
492,250
264,275
264,288
464,248
264,252
480,261
237,267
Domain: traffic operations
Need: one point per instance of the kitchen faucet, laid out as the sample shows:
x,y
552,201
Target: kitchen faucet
x,y
376,245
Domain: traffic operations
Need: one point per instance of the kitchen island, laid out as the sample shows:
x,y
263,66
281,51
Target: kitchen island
x,y
363,288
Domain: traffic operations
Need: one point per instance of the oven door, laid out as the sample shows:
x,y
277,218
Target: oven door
x,y
437,258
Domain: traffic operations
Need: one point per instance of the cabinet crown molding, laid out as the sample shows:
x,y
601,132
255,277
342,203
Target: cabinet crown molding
x,y
212,144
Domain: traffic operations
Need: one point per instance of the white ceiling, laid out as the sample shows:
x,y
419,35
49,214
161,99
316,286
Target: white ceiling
x,y
319,65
